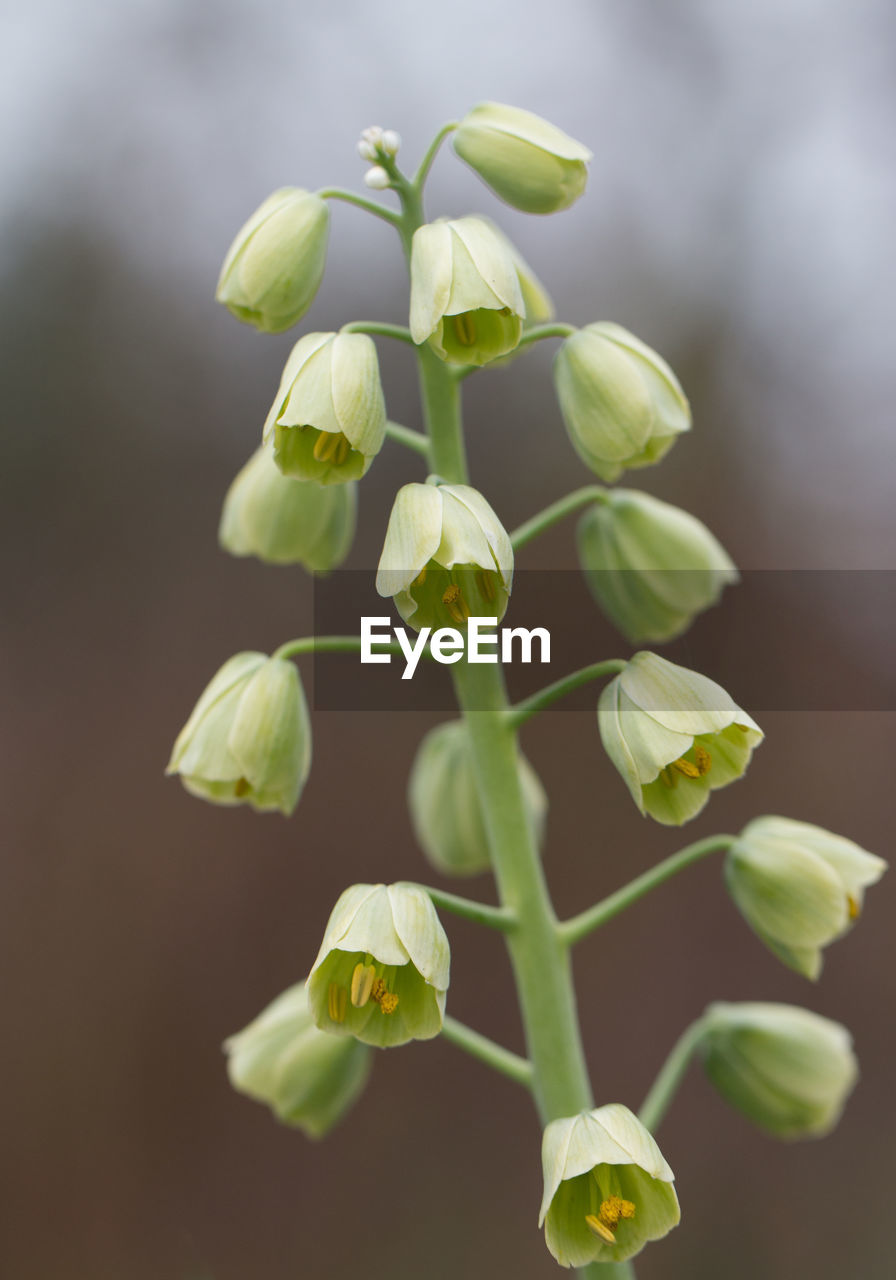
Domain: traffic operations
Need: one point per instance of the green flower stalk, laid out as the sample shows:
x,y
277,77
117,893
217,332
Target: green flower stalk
x,y
308,1079
607,1189
787,1070
274,266
466,300
798,886
651,567
446,557
282,520
446,811
529,163
328,421
382,970
674,736
248,740
622,405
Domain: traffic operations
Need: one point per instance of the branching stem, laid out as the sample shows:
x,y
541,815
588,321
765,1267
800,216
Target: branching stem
x,y
392,216
520,712
480,912
493,1055
672,1072
556,512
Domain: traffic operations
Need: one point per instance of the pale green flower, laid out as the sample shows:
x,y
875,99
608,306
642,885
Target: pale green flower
x,y
529,163
788,1070
446,557
248,740
382,970
798,886
650,566
274,266
308,1078
446,811
674,736
466,299
328,420
621,403
607,1189
287,521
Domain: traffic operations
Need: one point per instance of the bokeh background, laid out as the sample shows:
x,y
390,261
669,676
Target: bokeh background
x,y
739,218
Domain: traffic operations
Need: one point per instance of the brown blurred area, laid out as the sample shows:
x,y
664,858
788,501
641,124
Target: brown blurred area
x,y
737,219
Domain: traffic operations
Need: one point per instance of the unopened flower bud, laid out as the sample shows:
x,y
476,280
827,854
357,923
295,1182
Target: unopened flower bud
x,y
274,266
622,405
382,971
466,299
529,163
308,1078
650,566
446,557
607,1189
248,740
674,736
377,178
786,1069
287,521
446,811
798,886
328,420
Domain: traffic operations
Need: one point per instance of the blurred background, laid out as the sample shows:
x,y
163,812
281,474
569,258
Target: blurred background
x,y
738,218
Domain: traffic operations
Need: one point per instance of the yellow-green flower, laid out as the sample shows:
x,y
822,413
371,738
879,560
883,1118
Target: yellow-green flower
x,y
274,266
328,421
283,520
798,886
529,163
382,970
466,300
446,557
607,1189
248,740
674,736
621,403
309,1079
786,1069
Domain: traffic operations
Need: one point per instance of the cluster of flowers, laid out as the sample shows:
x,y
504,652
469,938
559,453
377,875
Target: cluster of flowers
x,y
381,976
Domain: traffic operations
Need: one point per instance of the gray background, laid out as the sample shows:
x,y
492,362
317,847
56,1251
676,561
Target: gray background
x,y
739,218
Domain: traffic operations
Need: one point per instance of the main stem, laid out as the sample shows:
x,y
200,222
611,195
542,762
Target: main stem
x,y
540,960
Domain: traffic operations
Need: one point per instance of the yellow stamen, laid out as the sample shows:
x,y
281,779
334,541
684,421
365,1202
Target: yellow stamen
x,y
342,451
362,984
612,1211
597,1228
668,779
465,329
703,758
684,766
387,1000
337,1002
242,787
486,585
854,908
420,578
455,604
327,445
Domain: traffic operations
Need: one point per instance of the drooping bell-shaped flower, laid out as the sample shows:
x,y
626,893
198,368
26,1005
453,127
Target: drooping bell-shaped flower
x,y
446,557
382,970
309,1079
674,736
328,421
798,886
248,740
607,1189
529,163
466,300
786,1069
283,520
650,566
274,266
622,405
446,811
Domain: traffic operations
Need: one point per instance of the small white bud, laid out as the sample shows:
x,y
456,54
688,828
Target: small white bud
x,y
366,150
391,142
377,178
